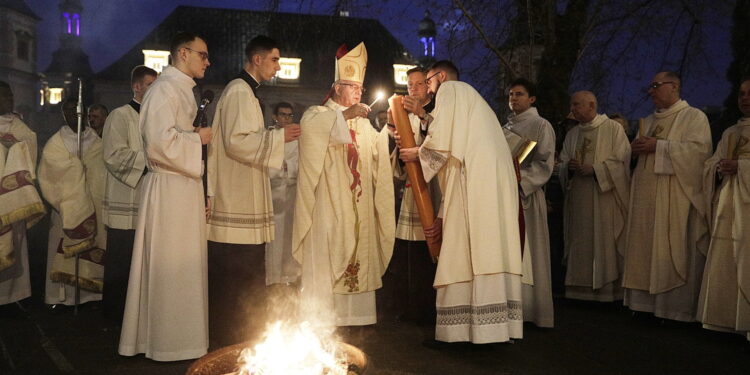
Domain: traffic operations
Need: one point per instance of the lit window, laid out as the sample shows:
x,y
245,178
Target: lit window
x,y
41,96
399,73
68,22
289,68
155,59
55,95
77,21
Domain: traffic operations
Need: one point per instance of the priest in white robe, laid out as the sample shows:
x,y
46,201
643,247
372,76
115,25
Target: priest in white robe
x,y
667,230
126,165
411,266
595,174
20,204
344,222
724,303
74,187
536,170
242,220
281,267
166,308
478,277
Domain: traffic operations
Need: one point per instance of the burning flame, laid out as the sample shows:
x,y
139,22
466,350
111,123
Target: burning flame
x,y
293,350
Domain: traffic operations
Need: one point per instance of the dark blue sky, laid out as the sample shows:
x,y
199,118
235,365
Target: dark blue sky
x,y
617,72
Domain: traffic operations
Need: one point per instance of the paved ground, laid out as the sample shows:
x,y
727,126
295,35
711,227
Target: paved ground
x,y
590,338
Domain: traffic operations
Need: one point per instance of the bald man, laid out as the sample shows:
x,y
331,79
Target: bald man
x,y
595,176
667,230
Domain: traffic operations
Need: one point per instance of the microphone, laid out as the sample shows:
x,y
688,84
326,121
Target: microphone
x,y
200,117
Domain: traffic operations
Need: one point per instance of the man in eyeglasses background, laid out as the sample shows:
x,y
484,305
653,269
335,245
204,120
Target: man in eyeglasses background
x,y
667,230
281,267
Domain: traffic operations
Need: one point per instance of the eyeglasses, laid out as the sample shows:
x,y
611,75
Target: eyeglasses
x,y
285,115
354,87
656,85
204,55
427,80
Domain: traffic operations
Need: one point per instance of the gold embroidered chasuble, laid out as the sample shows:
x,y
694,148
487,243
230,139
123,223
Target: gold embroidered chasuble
x,y
595,206
240,154
725,294
75,189
345,190
667,190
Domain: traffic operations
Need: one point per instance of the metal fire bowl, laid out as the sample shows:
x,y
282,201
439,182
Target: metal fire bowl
x,y
224,360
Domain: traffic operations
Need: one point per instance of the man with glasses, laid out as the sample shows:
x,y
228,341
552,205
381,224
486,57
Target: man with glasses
x,y
478,278
536,170
344,215
241,207
166,309
281,267
667,230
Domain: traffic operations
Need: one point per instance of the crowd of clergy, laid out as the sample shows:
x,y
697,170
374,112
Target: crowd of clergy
x,y
183,232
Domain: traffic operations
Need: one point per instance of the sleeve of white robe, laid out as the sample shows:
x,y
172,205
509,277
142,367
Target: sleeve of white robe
x,y
566,154
710,173
124,163
614,171
536,174
166,144
244,136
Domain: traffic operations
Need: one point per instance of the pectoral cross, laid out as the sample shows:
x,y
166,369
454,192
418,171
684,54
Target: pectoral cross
x,y
584,149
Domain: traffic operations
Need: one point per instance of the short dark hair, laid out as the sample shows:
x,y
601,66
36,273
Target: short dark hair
x,y
415,70
99,107
141,71
525,83
258,45
446,66
280,105
180,39
744,79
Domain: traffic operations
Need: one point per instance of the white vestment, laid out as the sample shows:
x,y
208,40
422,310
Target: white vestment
x,y
281,267
75,189
667,230
20,207
478,276
166,311
724,302
536,170
595,209
125,162
344,223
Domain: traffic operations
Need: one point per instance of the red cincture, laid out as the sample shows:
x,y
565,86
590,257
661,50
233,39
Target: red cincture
x,y
352,159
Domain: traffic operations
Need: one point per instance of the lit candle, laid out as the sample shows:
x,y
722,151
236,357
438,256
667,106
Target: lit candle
x,y
379,96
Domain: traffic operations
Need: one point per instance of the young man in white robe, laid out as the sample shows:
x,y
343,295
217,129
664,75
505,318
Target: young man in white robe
x,y
344,221
724,303
478,277
536,169
166,308
241,220
281,267
595,176
667,230
74,187
412,265
20,204
126,166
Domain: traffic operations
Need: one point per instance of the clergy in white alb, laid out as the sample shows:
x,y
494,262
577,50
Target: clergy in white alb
x,y
478,277
166,308
594,171
75,189
536,169
126,165
281,267
344,222
242,219
20,204
667,229
724,303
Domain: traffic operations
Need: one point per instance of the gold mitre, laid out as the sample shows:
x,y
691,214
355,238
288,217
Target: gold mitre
x,y
352,66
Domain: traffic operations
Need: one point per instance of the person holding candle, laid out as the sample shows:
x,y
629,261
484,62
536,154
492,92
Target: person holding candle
x,y
724,303
478,277
344,221
667,230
